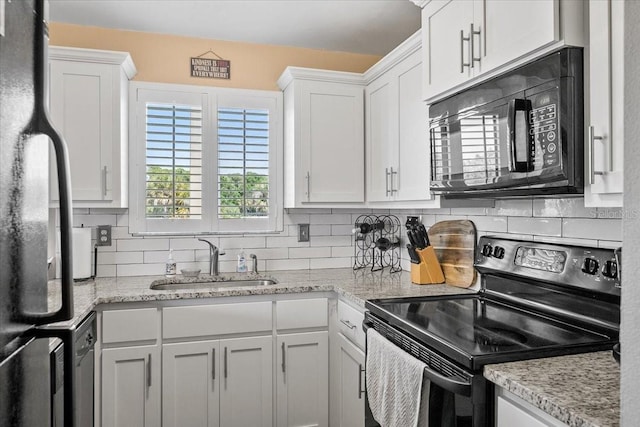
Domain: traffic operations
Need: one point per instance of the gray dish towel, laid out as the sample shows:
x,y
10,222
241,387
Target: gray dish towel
x,y
396,388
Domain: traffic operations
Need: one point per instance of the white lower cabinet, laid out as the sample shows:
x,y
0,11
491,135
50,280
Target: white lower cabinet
x,y
191,384
349,376
512,411
302,375
131,386
246,394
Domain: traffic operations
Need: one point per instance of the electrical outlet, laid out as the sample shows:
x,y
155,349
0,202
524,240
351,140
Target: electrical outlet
x,y
104,235
303,232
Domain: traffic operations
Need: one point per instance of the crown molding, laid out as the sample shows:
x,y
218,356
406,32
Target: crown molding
x,y
123,59
300,73
402,51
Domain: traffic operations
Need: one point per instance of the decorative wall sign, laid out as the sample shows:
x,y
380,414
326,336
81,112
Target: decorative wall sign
x,y
209,68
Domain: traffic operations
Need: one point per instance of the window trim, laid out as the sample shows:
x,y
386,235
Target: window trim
x,y
142,92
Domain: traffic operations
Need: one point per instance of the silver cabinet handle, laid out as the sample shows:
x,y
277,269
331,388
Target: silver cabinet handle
x,y
462,40
283,359
592,171
149,371
472,57
104,181
348,324
308,178
393,189
386,181
225,362
213,364
360,389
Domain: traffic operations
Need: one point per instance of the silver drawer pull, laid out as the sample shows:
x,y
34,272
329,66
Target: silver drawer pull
x,y
348,324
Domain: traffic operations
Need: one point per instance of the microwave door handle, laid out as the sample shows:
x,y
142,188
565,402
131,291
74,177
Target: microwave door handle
x,y
515,165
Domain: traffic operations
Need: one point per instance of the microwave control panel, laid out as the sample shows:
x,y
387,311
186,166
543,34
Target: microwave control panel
x,y
543,129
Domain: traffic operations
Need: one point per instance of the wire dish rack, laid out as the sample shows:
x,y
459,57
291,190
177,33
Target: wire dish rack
x,y
376,242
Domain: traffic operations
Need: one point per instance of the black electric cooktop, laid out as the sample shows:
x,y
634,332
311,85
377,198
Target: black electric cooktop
x,y
474,330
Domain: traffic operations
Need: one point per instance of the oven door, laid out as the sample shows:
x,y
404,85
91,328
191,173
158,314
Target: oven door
x,y
456,398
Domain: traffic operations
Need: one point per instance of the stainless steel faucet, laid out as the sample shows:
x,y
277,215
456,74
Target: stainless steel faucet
x,y
254,267
214,252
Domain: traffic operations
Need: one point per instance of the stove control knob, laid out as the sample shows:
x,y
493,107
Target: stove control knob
x,y
610,269
487,250
590,266
498,252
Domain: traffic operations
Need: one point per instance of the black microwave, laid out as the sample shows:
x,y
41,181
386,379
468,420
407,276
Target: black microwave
x,y
518,134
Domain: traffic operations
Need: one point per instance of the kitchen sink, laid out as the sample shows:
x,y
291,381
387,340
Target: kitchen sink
x,y
168,284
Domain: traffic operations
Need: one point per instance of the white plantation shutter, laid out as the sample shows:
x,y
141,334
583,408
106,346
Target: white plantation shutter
x,y
173,161
204,160
243,163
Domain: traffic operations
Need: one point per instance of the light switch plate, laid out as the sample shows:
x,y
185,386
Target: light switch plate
x,y
103,235
303,232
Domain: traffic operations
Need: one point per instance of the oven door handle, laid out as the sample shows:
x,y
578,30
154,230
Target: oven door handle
x,y
450,384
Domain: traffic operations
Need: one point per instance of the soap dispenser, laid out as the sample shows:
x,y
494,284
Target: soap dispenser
x,y
170,266
242,262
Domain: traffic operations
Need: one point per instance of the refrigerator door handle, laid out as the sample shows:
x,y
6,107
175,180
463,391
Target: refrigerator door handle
x,y
41,124
69,375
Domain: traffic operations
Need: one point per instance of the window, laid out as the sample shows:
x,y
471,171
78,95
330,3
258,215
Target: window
x,y
204,160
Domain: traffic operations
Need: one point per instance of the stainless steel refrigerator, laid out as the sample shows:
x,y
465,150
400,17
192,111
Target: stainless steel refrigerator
x,y
25,139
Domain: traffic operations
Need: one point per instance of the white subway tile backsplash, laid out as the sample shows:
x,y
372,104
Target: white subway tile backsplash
x,y
121,258
128,245
331,262
139,269
320,252
243,242
288,264
319,230
331,244
151,257
522,207
332,241
489,223
599,229
568,208
537,226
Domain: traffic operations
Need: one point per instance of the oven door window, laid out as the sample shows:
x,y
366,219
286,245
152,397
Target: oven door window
x,y
474,149
447,409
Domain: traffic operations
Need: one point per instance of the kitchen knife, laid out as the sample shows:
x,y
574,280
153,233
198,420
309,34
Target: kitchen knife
x,y
425,236
415,259
412,240
419,239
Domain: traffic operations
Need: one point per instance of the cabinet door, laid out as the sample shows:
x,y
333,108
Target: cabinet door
x,y
349,383
606,81
445,24
511,29
414,156
303,379
82,110
382,138
332,142
247,380
131,387
190,384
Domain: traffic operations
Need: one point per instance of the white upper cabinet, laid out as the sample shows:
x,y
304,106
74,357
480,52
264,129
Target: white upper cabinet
x,y
604,105
397,143
88,104
324,137
468,40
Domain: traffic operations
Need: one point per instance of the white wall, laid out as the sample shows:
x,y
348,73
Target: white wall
x,y
629,329
562,220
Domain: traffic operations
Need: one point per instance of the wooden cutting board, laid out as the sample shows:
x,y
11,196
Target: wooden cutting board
x,y
455,242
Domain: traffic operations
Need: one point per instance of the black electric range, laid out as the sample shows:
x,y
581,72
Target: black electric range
x,y
536,300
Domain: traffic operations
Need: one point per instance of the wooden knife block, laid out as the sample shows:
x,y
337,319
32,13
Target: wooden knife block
x,y
428,271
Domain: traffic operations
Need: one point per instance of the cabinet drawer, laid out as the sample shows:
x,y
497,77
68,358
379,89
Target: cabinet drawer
x,y
206,320
306,313
350,324
130,325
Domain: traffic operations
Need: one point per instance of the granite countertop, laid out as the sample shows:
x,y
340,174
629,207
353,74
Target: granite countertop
x,y
355,286
580,390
